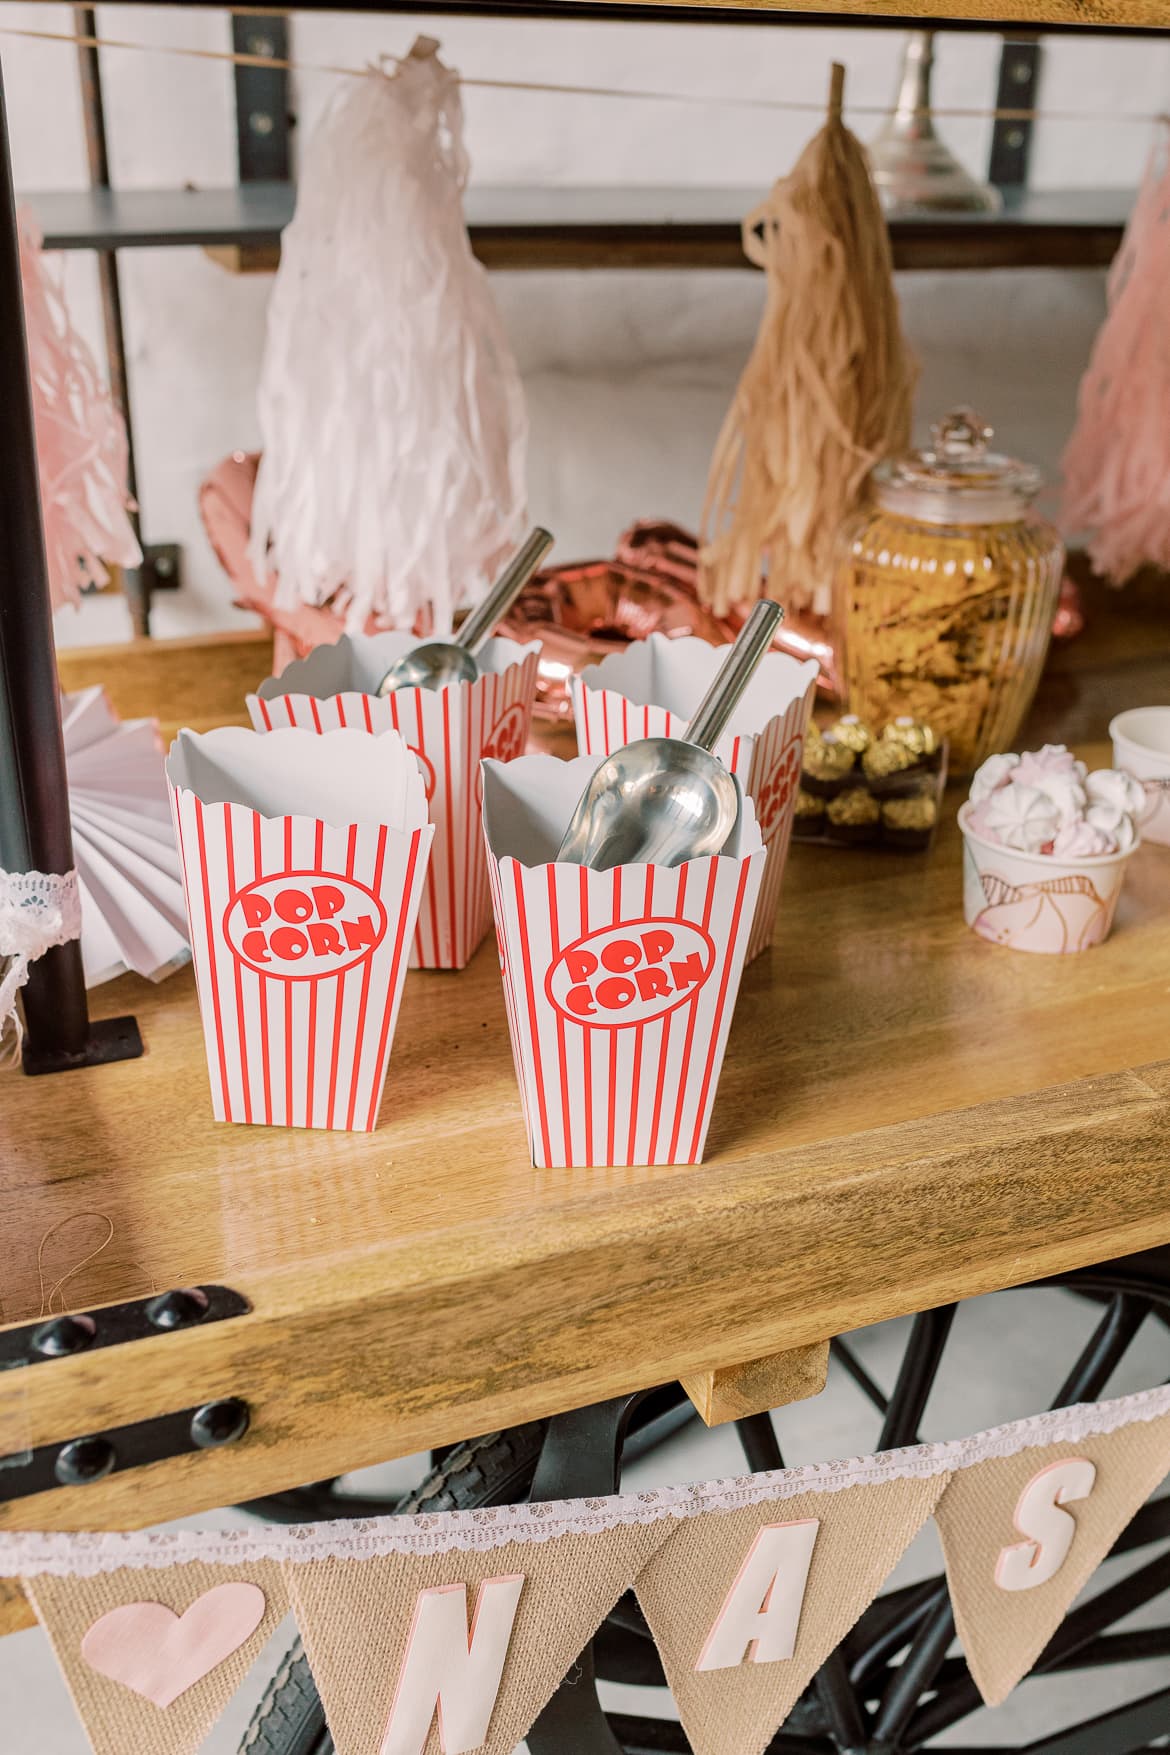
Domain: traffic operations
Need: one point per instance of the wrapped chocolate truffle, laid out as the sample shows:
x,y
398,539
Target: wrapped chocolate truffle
x,y
808,814
853,733
853,816
909,823
864,784
828,764
918,738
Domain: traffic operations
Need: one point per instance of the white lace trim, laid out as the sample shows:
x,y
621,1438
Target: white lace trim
x,y
37,911
84,1555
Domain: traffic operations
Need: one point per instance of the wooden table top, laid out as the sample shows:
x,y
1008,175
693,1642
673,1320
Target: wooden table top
x,y
906,1115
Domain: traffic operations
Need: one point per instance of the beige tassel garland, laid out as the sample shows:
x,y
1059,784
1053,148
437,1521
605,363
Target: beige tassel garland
x,y
827,390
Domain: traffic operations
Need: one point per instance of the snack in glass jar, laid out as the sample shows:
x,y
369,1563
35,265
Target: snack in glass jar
x,y
946,591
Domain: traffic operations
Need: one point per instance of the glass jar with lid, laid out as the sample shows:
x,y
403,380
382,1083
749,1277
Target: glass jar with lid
x,y
946,590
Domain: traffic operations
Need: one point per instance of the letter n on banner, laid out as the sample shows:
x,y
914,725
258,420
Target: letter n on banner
x,y
746,1605
152,1655
1022,1534
478,1638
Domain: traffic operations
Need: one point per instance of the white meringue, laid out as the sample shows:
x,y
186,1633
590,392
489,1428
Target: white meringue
x,y
995,772
1038,766
1114,786
1020,816
1080,840
1067,794
1115,823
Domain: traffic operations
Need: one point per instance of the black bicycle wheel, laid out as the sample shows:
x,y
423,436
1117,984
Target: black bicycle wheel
x,y
892,1679
494,1470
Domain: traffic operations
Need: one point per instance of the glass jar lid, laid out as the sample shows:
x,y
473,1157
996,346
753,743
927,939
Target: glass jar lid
x,y
957,480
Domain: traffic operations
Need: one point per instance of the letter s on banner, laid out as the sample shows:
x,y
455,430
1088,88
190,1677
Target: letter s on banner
x,y
1049,1530
449,1672
761,1614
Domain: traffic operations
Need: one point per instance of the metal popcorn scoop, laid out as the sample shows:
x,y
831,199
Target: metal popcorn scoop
x,y
664,800
439,663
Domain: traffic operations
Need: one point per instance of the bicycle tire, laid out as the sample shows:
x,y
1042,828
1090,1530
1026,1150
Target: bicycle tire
x,y
497,1468
491,1470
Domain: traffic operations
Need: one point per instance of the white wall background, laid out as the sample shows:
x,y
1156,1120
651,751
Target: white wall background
x,y
627,374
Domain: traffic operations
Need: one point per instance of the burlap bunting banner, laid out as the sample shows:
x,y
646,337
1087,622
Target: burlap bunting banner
x,y
1016,1557
390,1649
745,1607
152,1656
468,1620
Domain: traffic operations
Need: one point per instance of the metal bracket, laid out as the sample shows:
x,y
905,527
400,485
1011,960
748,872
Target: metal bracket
x,y
88,1331
165,563
262,120
80,1461
75,1462
1011,139
109,1039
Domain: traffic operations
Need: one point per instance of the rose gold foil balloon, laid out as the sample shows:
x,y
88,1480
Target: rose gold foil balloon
x,y
1070,617
583,611
225,506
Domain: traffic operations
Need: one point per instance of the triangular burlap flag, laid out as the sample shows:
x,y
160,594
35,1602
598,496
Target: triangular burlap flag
x,y
153,1655
1004,1630
357,1616
863,1532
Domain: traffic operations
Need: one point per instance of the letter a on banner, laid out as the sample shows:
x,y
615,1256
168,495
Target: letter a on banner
x,y
762,1612
1023,1534
745,1605
399,1670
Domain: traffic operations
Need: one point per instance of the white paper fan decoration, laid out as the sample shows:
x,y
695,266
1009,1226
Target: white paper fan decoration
x,y
132,912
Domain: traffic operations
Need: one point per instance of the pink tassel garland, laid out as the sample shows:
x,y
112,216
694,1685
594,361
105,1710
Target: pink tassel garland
x,y
82,452
1117,463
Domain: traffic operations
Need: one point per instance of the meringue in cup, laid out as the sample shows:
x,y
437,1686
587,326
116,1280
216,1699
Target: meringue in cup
x,y
1045,849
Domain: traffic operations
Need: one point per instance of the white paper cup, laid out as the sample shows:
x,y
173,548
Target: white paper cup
x,y
1034,901
449,731
1141,745
651,689
619,985
301,920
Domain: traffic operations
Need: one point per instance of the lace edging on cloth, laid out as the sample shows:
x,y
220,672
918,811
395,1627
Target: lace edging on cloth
x,y
84,1555
37,911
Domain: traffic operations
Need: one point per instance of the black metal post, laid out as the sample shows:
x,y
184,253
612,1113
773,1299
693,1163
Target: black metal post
x,y
34,797
137,581
1011,139
581,1456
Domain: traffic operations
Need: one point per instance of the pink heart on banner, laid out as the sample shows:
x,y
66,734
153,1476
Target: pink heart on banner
x,y
159,1654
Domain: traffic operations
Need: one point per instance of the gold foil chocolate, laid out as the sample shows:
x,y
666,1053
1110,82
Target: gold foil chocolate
x,y
853,733
919,811
884,758
826,759
854,808
919,739
808,807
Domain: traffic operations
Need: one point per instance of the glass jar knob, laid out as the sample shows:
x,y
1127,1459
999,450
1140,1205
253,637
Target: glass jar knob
x,y
961,436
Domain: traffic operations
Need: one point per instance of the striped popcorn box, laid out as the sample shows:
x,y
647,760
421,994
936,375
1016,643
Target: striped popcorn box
x,y
304,860
652,687
619,985
448,731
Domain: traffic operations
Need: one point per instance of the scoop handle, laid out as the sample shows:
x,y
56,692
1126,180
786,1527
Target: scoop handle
x,y
503,594
734,675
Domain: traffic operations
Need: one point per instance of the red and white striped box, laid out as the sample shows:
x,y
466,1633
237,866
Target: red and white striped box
x,y
651,689
304,860
448,731
619,985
